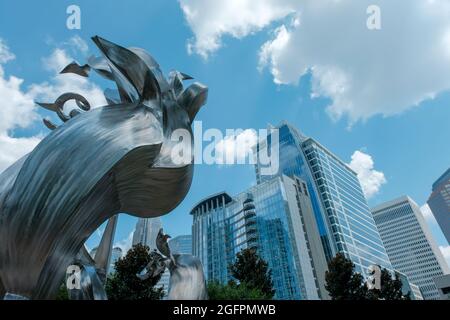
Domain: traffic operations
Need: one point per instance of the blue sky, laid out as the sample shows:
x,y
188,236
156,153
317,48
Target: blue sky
x,y
255,71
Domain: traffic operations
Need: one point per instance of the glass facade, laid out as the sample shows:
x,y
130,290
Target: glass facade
x,y
292,162
439,203
181,244
409,244
261,218
342,214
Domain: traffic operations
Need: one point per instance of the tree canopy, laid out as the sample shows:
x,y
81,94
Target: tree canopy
x,y
343,283
123,284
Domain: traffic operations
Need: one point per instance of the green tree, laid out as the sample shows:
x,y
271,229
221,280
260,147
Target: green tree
x,y
342,282
233,291
62,293
125,285
253,272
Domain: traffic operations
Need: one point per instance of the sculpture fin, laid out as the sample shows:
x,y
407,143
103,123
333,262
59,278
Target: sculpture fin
x,y
77,69
101,66
49,124
49,106
104,250
133,76
193,98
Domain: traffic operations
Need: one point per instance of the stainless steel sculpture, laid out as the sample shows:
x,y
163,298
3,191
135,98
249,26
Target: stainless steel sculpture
x,y
98,163
93,270
187,281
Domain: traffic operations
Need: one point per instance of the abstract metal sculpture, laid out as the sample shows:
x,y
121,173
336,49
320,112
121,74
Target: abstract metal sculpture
x,y
187,281
93,270
98,163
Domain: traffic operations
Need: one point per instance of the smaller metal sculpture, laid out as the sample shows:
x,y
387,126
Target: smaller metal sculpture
x,y
187,281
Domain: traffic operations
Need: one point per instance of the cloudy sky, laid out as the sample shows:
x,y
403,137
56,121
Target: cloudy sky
x,y
379,99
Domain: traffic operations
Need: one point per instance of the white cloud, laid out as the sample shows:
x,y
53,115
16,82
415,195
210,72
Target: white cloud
x,y
5,54
364,73
125,244
236,148
17,107
371,179
17,110
446,253
78,43
210,20
62,83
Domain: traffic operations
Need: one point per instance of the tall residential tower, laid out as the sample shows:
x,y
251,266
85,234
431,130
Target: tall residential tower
x,y
275,218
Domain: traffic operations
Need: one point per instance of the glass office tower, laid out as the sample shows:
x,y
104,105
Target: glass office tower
x,y
409,243
340,208
439,203
275,218
181,244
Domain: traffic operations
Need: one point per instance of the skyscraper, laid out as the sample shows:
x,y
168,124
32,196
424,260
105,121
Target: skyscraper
x,y
146,231
439,202
340,208
275,218
409,243
116,254
443,286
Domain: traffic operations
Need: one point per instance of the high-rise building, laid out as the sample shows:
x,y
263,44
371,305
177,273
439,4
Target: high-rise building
x,y
116,254
276,218
340,208
409,288
409,244
443,286
181,244
146,231
439,202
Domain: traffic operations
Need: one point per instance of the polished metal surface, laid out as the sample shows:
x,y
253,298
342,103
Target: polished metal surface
x,y
97,163
92,280
162,243
94,270
187,280
103,254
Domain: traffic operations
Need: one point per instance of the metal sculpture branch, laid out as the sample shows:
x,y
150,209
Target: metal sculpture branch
x,y
98,163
